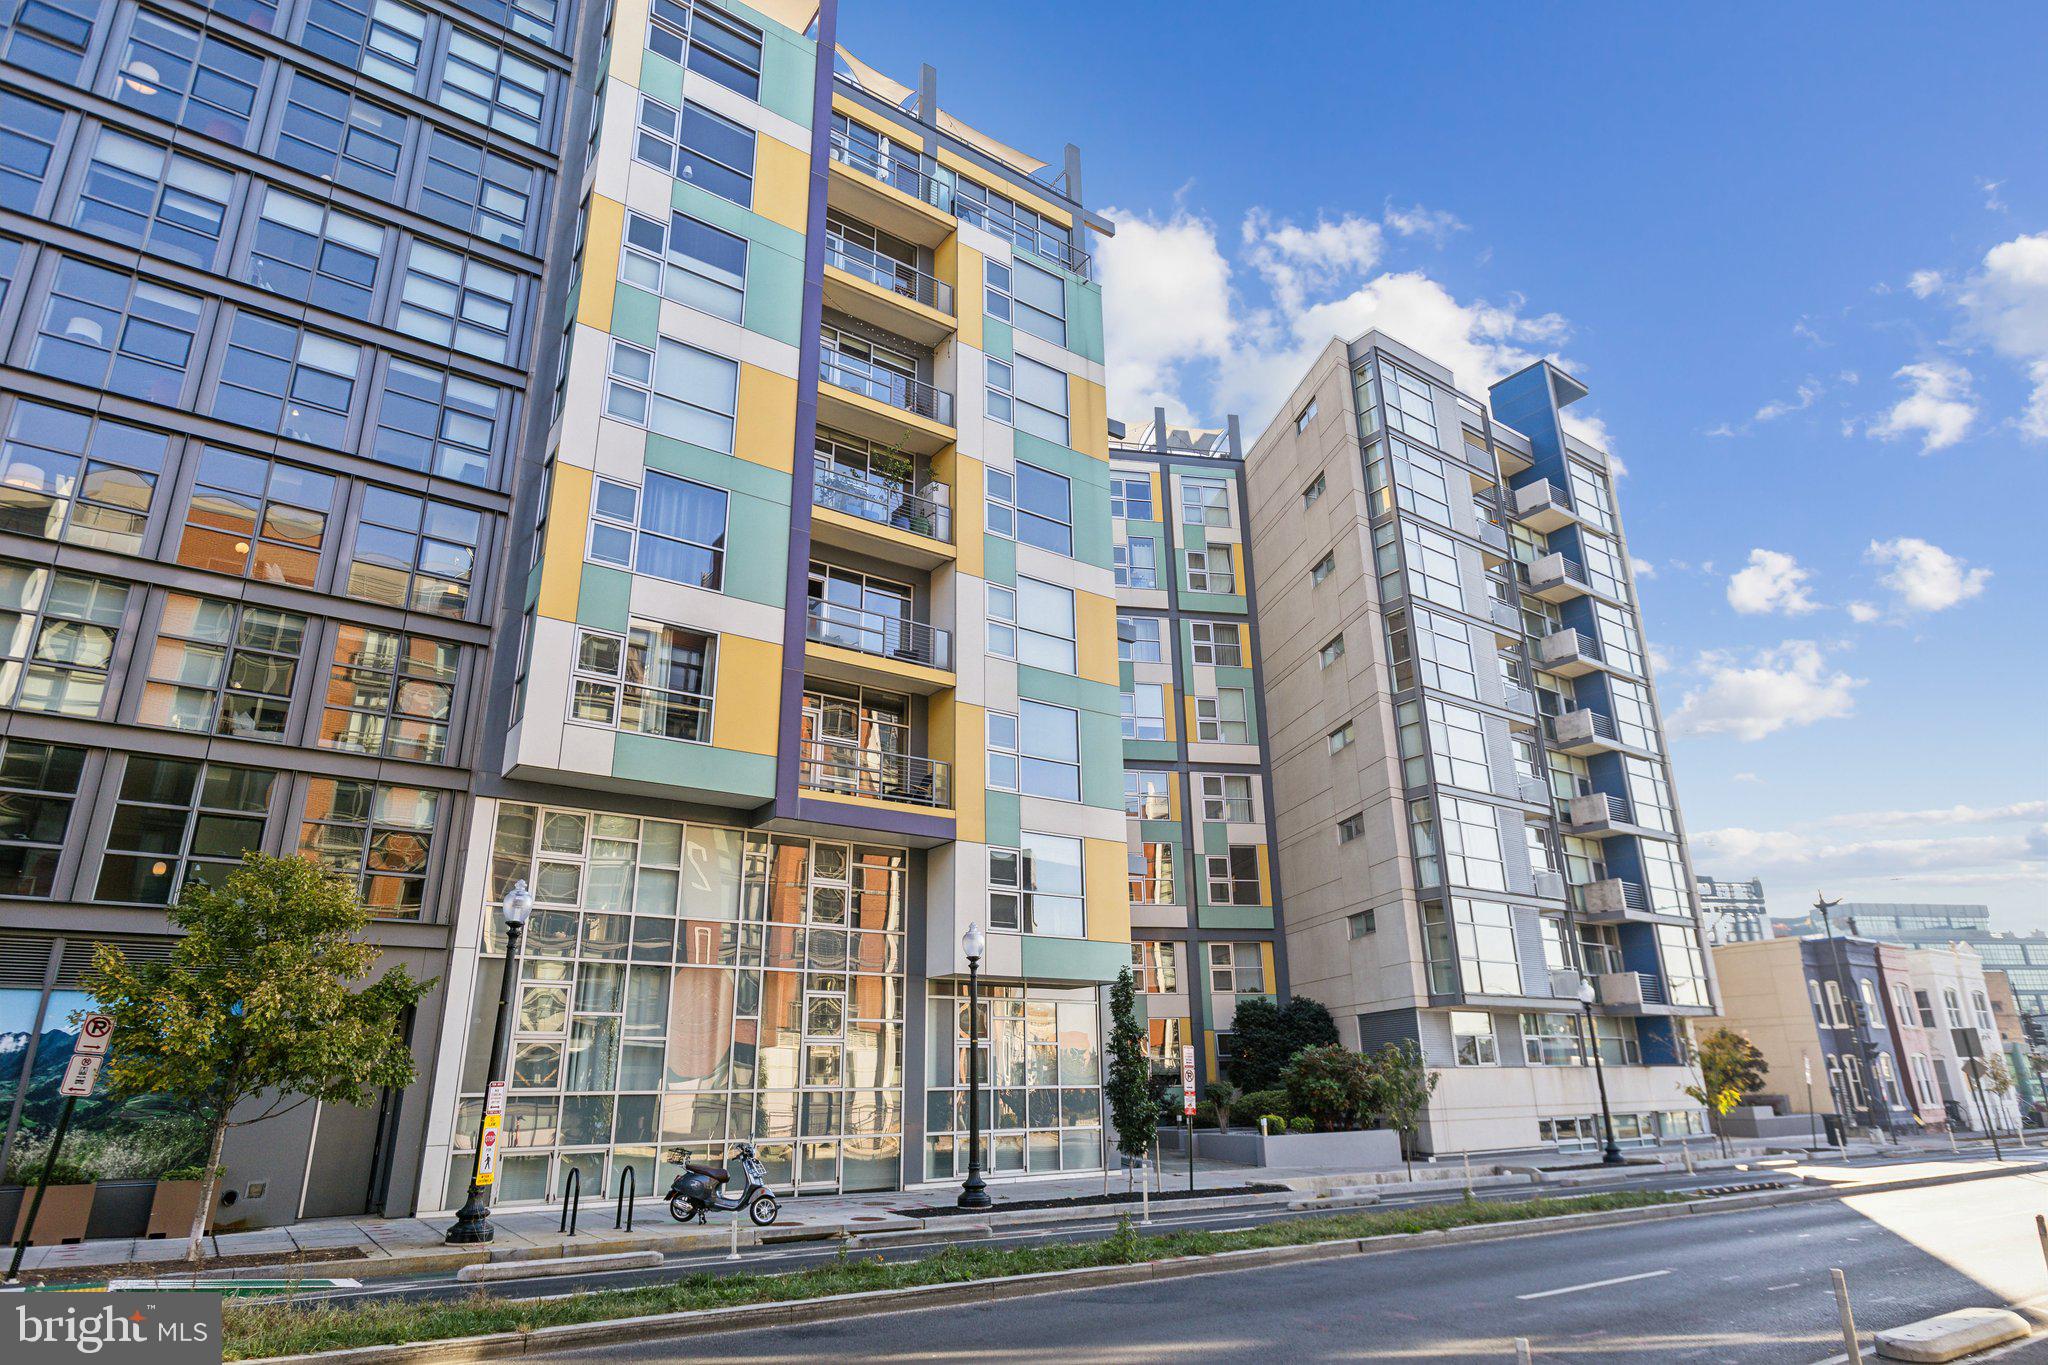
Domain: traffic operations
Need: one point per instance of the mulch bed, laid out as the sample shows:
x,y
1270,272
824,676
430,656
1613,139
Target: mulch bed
x,y
164,1270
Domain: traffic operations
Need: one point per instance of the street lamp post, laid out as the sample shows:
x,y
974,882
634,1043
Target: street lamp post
x,y
473,1220
974,1193
1612,1156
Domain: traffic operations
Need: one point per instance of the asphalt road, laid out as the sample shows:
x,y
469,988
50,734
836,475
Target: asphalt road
x,y
1737,1287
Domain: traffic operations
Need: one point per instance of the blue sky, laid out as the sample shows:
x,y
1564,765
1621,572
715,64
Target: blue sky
x,y
1800,257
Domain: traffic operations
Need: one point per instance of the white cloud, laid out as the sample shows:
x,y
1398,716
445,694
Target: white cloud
x,y
1807,392
1924,282
2006,304
1745,777
1295,260
1722,430
1864,612
1790,685
1924,577
1790,850
1946,815
1416,221
1165,304
1992,201
1939,406
1641,568
1772,582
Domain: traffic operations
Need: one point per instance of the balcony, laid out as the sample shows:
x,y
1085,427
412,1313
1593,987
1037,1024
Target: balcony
x,y
1495,538
1614,901
1554,578
1543,506
878,517
1568,653
834,768
1600,815
891,294
900,198
1522,703
1585,731
1547,885
886,406
1631,992
1507,619
919,652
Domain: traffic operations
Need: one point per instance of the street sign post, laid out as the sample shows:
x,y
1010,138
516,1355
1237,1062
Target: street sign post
x,y
1187,1106
95,1032
81,1075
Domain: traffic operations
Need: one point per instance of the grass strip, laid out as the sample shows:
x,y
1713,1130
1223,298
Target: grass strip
x,y
277,1328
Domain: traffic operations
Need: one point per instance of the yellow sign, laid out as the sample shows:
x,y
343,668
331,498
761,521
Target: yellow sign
x,y
487,1160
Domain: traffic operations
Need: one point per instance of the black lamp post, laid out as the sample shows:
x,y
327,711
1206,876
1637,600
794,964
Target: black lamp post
x,y
974,1193
1612,1156
473,1220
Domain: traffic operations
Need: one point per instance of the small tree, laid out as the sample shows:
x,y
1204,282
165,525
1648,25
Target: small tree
x,y
1329,1084
1996,1078
1400,1089
1265,1036
1730,1067
1223,1097
257,999
1131,1106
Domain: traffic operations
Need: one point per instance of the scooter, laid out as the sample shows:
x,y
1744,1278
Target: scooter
x,y
696,1191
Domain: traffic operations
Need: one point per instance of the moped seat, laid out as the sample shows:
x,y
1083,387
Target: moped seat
x,y
717,1173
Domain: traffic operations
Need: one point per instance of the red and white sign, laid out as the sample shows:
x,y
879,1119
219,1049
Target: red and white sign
x,y
81,1074
1187,1081
95,1033
494,1098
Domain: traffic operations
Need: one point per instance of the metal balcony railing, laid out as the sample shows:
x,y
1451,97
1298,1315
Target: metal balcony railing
x,y
880,634
1601,808
910,180
1556,568
881,502
1061,253
1582,718
888,272
839,768
1610,896
1561,646
1534,497
885,386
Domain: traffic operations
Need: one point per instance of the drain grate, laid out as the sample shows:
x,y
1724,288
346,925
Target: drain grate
x,y
1754,1187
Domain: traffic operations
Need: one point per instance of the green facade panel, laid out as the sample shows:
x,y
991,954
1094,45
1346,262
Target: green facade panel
x,y
999,560
1151,752
1004,819
1234,917
636,316
1102,771
757,549
604,597
1073,959
1084,319
788,64
1217,603
699,767
661,78
996,337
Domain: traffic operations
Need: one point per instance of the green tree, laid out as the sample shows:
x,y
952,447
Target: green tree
x,y
1329,1084
258,1000
1399,1090
1265,1036
1730,1067
1132,1107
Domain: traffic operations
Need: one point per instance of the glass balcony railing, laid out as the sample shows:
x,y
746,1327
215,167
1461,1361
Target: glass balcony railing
x,y
880,634
889,273
885,385
884,503
842,768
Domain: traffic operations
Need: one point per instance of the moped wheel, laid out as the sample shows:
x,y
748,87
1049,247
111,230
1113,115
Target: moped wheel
x,y
763,1210
680,1211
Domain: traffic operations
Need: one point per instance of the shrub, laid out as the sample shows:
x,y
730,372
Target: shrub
x,y
1263,1102
1329,1085
1303,1125
1264,1036
1274,1123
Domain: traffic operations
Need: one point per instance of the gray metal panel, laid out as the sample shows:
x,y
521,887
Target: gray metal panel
x,y
1381,1027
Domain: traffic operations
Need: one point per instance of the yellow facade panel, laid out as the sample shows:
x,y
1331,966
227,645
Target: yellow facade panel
x,y
782,183
601,262
1088,416
1106,865
1095,622
561,565
748,694
962,267
766,423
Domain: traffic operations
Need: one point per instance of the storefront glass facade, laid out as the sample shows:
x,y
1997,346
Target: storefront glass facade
x,y
1041,1107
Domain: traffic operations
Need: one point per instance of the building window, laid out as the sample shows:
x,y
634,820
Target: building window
x,y
415,553
180,820
1045,637
672,529
1340,738
219,668
476,191
459,302
696,145
143,195
377,835
329,133
1471,834
1351,827
1002,503
1227,796
1138,640
1324,567
1038,888
1136,563
1363,923
1041,401
653,680
1146,794
1310,494
1303,418
38,785
1002,622
436,422
315,254
63,634
486,83
1130,496
256,518
1484,933
1552,1040
1000,389
390,694
1472,1038
28,136
686,260
1051,751
1236,969
1234,876
1452,738
1216,643
1040,299
105,330
1410,408
1026,229
280,379
1330,652
72,477
177,74
1982,1007
1045,509
1144,711
1003,744
1211,571
1221,719
380,38
1205,502
50,36
1156,964
679,391
708,42
996,293
1152,875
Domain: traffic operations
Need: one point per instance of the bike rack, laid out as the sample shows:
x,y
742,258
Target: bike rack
x,y
572,1201
629,1188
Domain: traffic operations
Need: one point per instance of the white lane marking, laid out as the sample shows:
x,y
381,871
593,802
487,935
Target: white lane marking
x,y
1774,1288
1596,1284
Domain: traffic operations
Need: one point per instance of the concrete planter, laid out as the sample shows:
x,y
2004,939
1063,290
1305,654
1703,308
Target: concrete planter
x,y
1373,1149
172,1207
66,1211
